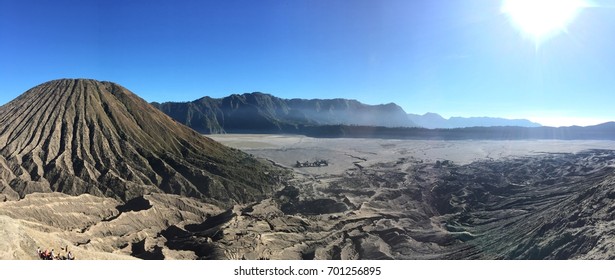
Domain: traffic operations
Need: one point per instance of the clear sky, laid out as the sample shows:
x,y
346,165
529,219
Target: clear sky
x,y
452,57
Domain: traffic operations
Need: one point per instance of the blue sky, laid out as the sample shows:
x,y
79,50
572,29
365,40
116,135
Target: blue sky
x,y
453,57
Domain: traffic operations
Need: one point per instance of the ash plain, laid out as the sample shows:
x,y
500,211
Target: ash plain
x,y
415,199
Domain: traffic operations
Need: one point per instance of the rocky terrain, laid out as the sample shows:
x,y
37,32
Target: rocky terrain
x,y
526,206
555,206
95,227
546,206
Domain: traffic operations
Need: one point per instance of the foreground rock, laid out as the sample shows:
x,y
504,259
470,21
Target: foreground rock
x,y
97,228
558,206
554,206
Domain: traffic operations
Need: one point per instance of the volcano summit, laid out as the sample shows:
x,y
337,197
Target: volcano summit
x,y
79,136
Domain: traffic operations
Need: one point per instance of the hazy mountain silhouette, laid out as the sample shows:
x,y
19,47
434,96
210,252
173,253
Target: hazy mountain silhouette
x,y
605,131
83,136
264,113
433,120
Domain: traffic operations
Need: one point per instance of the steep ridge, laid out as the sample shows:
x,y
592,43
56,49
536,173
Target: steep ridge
x,y
264,113
81,136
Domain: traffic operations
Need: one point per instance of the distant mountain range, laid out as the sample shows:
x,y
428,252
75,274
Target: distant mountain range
x,y
265,113
605,131
433,120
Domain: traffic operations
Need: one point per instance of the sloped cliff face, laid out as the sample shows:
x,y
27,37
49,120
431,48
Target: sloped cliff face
x,y
258,112
80,136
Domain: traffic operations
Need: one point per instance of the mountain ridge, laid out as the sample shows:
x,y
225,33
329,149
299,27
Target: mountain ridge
x,y
264,113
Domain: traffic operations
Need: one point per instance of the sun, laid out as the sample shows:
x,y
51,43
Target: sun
x,y
542,19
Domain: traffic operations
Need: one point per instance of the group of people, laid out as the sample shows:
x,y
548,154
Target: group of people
x,y
51,255
318,163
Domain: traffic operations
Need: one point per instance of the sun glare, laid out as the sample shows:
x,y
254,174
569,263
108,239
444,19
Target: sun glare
x,y
542,19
